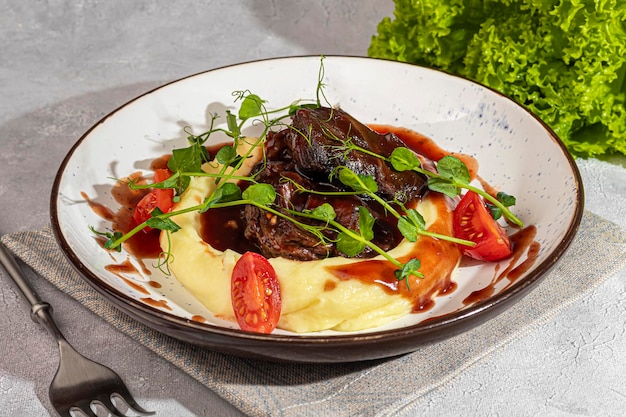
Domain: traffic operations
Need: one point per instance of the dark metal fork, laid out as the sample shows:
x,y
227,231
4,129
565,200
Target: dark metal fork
x,y
79,382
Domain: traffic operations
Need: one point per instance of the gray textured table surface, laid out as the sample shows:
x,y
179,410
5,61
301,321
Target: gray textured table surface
x,y
65,64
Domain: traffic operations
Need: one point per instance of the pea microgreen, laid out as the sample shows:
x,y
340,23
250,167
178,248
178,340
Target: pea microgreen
x,y
110,238
353,242
452,175
410,224
505,199
158,221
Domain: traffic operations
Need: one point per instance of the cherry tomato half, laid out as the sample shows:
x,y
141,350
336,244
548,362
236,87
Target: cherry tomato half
x,y
255,294
158,197
472,221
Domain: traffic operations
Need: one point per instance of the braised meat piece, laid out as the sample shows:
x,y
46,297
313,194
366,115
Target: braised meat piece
x,y
274,235
307,153
317,141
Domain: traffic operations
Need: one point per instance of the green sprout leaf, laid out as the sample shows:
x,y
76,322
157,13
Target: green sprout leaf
x,y
351,242
324,212
404,159
411,268
444,186
349,245
366,224
358,182
494,211
162,224
505,199
407,228
411,225
453,168
157,222
185,160
110,239
251,106
225,193
416,218
229,192
234,131
227,155
263,194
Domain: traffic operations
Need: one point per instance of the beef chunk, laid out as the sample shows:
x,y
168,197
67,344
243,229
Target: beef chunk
x,y
317,142
308,153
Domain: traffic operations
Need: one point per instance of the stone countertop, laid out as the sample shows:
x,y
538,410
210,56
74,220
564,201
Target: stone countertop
x,y
65,64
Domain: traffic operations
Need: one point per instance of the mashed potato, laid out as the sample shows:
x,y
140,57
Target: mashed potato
x,y
320,294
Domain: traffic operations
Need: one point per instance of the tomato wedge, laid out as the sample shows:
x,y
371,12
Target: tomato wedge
x,y
472,221
255,294
158,197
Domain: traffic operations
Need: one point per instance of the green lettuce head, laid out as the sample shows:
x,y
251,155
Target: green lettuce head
x,y
563,60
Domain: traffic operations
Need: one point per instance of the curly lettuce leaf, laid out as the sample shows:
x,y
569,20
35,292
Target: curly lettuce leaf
x,y
564,60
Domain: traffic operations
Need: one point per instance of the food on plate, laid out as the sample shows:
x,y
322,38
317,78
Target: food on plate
x,y
563,60
255,293
158,198
320,223
307,155
472,221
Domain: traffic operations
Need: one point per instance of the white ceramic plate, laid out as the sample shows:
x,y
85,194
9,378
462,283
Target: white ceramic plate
x,y
517,153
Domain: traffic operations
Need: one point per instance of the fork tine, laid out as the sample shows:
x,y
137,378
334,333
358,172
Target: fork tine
x,y
123,393
107,404
84,407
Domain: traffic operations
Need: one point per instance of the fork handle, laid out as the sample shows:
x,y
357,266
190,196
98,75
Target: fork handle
x,y
40,311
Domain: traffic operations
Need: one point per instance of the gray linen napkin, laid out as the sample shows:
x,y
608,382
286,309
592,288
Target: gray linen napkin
x,y
272,389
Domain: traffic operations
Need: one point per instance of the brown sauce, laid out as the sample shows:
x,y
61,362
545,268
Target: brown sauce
x,y
524,244
480,295
126,267
143,245
156,303
424,145
223,228
99,209
439,265
198,318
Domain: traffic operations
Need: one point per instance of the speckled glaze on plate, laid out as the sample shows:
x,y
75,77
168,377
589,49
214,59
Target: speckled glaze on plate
x,y
516,151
